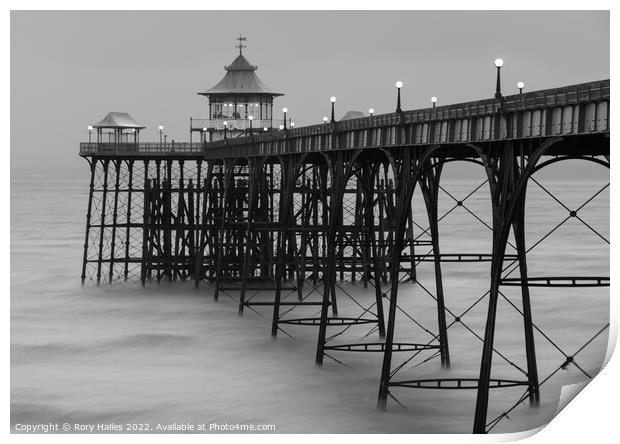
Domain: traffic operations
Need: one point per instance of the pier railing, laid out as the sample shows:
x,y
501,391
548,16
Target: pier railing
x,y
148,148
233,124
571,110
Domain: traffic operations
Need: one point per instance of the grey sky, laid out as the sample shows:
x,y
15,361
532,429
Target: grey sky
x,y
68,69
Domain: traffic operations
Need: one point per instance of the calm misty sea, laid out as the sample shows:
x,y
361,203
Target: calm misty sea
x,y
167,353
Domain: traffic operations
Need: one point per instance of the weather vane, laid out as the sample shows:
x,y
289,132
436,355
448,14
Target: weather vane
x,y
241,45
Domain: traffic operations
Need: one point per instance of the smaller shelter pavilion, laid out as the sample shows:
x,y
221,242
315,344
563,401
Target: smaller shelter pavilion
x,y
350,115
116,128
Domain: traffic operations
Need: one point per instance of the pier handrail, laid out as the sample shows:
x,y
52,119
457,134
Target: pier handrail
x,y
192,148
535,100
591,94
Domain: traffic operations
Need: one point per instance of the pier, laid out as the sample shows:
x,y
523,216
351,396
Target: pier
x,y
256,206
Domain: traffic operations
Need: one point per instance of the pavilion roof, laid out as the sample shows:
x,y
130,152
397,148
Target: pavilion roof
x,y
352,115
118,120
240,78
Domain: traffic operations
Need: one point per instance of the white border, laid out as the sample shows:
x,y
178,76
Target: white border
x,y
590,418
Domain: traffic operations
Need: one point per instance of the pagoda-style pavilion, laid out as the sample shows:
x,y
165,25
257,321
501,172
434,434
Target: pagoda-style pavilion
x,y
238,104
116,128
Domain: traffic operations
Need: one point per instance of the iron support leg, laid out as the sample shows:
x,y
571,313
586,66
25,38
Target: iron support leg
x,y
106,165
93,166
530,349
127,233
389,338
146,222
430,190
249,235
335,222
117,167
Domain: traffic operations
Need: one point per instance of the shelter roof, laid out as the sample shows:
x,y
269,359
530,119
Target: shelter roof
x,y
118,120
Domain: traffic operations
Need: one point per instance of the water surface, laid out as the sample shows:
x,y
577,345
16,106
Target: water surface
x,y
169,353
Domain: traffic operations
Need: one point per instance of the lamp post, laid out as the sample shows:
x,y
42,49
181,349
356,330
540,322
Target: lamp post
x,y
333,100
371,111
250,118
90,132
285,110
520,85
225,128
325,119
399,85
292,125
434,101
498,89
204,134
161,132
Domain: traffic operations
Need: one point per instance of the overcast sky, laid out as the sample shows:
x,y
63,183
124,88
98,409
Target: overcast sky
x,y
68,69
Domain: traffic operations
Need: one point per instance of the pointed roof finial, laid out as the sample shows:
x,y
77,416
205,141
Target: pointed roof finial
x,y
241,39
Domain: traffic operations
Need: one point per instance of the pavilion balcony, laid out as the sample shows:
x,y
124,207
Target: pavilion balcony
x,y
233,124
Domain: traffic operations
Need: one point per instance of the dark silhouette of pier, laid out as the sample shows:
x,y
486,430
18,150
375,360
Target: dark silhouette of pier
x,y
296,210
